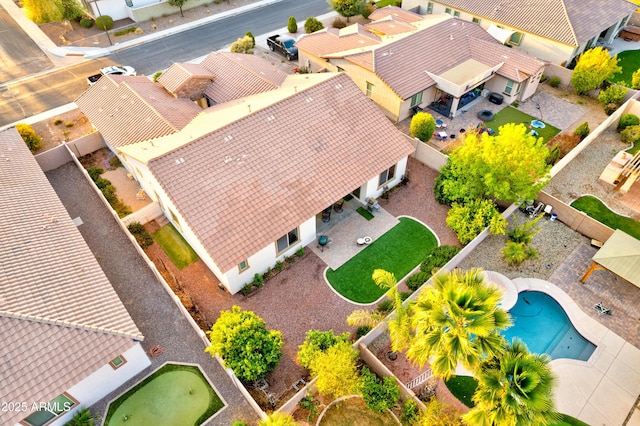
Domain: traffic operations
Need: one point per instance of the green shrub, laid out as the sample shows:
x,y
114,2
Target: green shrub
x,y
253,39
292,25
554,154
516,253
468,220
635,80
611,108
582,130
554,82
300,252
258,281
279,266
69,124
369,9
318,341
362,330
104,22
627,120
524,233
238,423
29,136
86,22
385,306
416,280
438,258
338,23
630,134
71,10
410,412
141,235
94,172
422,126
311,25
156,76
378,394
102,183
613,94
246,289
404,295
57,121
125,31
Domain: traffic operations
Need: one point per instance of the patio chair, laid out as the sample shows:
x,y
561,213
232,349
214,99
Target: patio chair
x,y
601,309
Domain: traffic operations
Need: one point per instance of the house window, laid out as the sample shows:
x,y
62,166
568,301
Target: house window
x,y
429,8
475,20
243,266
448,10
387,175
515,39
287,240
456,14
416,99
118,362
369,89
512,88
50,410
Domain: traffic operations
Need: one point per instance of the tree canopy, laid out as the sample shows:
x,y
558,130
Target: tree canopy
x,y
245,345
318,341
335,370
243,45
509,166
593,67
348,8
422,126
178,3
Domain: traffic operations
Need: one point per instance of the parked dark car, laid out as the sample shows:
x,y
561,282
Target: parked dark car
x,y
284,46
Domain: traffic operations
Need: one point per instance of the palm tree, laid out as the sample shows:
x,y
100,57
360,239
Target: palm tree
x,y
457,319
399,323
514,389
83,417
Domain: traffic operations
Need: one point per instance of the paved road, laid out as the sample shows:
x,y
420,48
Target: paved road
x,y
44,92
19,54
150,306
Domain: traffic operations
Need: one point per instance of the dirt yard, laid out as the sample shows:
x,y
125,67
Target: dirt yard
x,y
65,127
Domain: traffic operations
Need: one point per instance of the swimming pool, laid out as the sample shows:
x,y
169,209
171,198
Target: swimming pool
x,y
543,325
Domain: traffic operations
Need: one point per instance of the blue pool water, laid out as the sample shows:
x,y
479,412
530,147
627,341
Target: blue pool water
x,y
543,325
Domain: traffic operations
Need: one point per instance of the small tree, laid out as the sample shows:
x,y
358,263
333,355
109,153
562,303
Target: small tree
x,y
42,11
29,136
104,22
178,3
245,345
613,94
594,66
243,45
582,131
253,39
71,10
422,126
311,25
348,8
292,25
335,370
316,342
83,417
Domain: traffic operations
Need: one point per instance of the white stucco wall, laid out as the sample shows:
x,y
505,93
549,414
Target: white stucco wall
x,y
104,381
117,9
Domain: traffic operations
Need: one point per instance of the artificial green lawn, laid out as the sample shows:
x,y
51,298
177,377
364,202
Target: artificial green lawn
x,y
512,115
399,250
365,213
596,209
629,61
178,250
383,3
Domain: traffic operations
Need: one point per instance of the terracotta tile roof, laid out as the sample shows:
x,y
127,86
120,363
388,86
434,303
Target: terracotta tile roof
x,y
152,110
60,318
396,12
572,22
238,75
179,74
239,193
400,64
331,40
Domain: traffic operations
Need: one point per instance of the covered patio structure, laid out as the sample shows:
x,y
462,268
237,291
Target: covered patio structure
x,y
620,254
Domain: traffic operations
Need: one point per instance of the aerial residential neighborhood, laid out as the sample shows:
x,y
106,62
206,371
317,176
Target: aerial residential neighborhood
x,y
395,212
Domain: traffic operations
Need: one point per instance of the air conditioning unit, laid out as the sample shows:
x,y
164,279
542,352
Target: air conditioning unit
x,y
485,93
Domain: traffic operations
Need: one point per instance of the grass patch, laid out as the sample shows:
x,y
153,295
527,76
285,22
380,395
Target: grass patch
x,y
354,412
178,250
365,213
635,148
512,115
629,61
463,388
596,209
383,3
214,401
399,250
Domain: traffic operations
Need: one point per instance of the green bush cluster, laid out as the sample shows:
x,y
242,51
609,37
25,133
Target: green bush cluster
x,y
554,82
518,247
362,331
86,22
378,394
253,39
292,25
630,134
29,136
311,25
582,130
141,235
385,306
104,22
627,120
438,258
318,341
468,220
410,412
259,279
422,126
109,191
614,94
554,154
125,31
416,280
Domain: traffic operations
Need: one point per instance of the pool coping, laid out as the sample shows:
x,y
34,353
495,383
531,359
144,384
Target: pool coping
x,y
204,374
603,389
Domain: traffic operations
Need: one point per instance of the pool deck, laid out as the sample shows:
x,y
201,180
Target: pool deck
x,y
603,390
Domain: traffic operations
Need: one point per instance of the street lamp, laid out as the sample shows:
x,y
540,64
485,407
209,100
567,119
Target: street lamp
x,y
99,15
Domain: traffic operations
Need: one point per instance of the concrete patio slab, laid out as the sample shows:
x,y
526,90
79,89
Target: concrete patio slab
x,y
552,110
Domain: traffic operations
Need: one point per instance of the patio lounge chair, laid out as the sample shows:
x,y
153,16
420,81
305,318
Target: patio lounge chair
x,y
601,309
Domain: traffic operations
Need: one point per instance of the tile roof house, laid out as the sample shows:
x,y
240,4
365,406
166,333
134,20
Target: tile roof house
x,y
437,61
66,338
246,179
556,31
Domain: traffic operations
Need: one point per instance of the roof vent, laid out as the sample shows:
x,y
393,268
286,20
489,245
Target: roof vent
x,y
179,161
338,86
309,99
270,118
227,159
228,138
451,37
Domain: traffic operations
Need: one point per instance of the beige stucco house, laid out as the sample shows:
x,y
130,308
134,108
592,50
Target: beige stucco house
x,y
243,158
66,339
404,62
556,31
